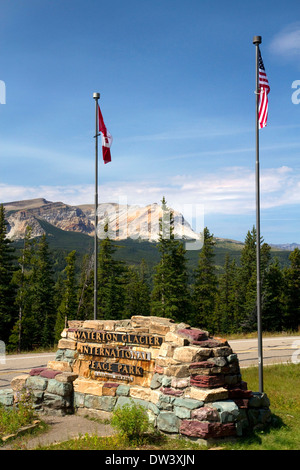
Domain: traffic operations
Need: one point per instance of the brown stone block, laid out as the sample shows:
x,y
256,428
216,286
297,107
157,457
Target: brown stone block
x,y
66,377
208,395
177,371
62,366
89,386
66,343
191,354
109,389
159,328
81,368
75,324
17,383
222,351
173,337
141,392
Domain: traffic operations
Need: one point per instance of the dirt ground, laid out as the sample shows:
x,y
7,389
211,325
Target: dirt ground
x,y
61,428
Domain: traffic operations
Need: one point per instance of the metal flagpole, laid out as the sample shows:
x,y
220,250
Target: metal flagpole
x,y
256,42
96,97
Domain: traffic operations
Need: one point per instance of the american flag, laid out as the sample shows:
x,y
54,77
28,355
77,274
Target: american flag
x,y
264,89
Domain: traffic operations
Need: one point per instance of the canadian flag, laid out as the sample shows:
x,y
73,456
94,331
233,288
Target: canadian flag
x,y
106,138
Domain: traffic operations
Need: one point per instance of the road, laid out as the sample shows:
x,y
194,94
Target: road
x,y
275,350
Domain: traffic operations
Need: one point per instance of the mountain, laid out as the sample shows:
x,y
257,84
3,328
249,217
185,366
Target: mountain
x,y
135,229
286,246
124,221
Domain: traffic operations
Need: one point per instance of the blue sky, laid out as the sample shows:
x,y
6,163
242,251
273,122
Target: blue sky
x,y
177,85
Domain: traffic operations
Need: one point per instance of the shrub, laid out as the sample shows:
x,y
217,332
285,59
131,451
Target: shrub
x,y
131,421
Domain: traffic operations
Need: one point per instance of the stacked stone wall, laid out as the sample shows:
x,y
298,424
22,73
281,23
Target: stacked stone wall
x,y
189,382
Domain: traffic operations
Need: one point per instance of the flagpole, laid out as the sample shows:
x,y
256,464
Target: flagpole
x,y
256,42
96,97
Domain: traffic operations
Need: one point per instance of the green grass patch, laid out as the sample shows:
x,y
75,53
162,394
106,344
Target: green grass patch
x,y
282,385
14,418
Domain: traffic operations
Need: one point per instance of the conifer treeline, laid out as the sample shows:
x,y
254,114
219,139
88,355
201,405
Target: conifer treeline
x,y
34,309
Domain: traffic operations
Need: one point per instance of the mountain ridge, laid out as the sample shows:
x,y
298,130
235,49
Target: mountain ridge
x,y
127,221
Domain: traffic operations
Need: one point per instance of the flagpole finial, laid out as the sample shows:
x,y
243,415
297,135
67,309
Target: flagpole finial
x,y
257,40
96,96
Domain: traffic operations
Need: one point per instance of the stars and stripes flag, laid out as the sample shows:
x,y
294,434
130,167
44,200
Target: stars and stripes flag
x,y
106,138
264,89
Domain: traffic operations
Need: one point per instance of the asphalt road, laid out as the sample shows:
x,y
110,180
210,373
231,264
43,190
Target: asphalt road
x,y
275,350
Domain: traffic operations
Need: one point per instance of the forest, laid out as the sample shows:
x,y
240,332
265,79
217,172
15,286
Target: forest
x,y
36,304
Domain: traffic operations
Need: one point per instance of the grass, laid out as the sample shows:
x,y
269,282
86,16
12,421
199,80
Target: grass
x,y
282,385
12,419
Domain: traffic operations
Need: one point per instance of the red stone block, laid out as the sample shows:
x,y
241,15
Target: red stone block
x,y
192,335
37,370
205,413
242,403
205,430
201,365
50,373
111,385
171,391
207,381
239,393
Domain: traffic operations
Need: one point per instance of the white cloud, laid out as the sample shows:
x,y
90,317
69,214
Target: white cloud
x,y
287,42
227,191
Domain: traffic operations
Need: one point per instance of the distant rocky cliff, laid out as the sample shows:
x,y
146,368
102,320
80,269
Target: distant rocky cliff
x,y
124,221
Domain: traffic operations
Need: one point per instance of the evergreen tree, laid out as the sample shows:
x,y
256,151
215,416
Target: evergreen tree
x,y
137,299
248,279
43,307
68,307
273,299
25,327
205,285
227,298
111,281
85,309
8,310
170,295
292,278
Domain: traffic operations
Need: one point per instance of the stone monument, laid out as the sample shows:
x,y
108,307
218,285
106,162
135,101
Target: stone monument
x,y
189,382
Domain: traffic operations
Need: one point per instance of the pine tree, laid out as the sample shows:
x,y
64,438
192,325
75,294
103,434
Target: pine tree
x,y
205,285
68,306
226,299
170,295
85,300
43,306
292,278
273,299
8,310
137,298
25,327
111,281
248,279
